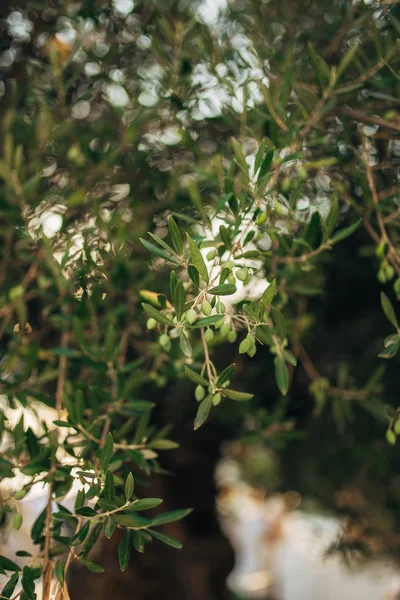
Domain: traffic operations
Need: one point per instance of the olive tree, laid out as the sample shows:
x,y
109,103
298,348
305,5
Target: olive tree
x,y
170,182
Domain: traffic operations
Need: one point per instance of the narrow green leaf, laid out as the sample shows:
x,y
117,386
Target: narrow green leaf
x,y
162,445
28,583
34,468
281,374
292,360
10,586
124,551
313,235
153,312
225,289
106,504
376,408
59,570
321,68
61,515
80,499
131,520
6,465
268,294
157,251
172,516
175,235
109,486
86,511
142,426
389,311
137,407
392,339
138,541
92,538
265,165
222,201
332,218
253,253
279,322
206,321
8,565
185,344
197,259
390,351
129,487
346,232
234,395
348,58
107,452
225,237
166,539
179,299
57,549
145,504
195,377
194,275
162,243
225,375
173,282
287,84
238,152
90,565
109,527
203,411
196,198
80,535
259,156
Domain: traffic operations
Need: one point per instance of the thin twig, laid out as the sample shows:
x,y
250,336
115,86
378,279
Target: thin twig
x,y
63,592
367,74
6,254
114,386
206,355
318,111
392,252
47,566
99,441
393,191
392,216
357,115
313,374
272,110
62,371
341,32
303,257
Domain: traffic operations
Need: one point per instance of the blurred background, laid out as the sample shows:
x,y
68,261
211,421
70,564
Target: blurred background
x,y
126,100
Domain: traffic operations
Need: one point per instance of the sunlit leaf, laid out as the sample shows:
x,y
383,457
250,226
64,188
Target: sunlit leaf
x,y
389,310
197,259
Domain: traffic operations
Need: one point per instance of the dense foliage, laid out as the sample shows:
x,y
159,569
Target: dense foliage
x,y
171,182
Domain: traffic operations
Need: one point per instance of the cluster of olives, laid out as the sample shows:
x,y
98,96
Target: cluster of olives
x,y
17,517
200,393
225,329
386,272
242,273
393,432
190,317
248,345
